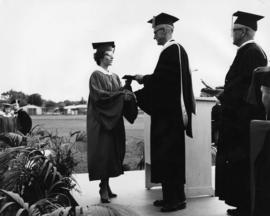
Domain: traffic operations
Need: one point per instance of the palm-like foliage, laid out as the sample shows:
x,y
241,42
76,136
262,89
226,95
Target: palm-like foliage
x,y
61,150
62,154
6,160
30,174
18,204
22,208
15,205
27,171
36,184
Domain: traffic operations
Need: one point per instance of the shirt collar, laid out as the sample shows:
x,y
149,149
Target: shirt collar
x,y
101,69
247,42
168,43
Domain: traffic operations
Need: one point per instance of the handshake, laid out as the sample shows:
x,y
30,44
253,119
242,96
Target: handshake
x,y
127,87
129,78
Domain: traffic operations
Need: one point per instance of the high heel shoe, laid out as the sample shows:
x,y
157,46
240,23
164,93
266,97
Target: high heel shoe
x,y
110,193
103,192
105,200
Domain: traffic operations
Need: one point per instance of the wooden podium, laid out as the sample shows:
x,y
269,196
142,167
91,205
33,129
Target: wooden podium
x,y
198,151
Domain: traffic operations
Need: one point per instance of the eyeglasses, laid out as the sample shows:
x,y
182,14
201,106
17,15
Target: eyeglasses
x,y
237,29
110,56
156,31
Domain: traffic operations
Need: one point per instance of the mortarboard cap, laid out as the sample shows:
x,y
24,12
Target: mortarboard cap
x,y
108,46
247,19
163,18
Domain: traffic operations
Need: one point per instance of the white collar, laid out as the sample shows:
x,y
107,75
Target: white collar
x,y
101,69
247,42
168,43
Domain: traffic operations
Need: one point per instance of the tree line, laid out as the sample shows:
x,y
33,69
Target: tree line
x,y
36,99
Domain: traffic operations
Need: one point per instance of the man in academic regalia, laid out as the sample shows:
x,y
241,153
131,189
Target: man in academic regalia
x,y
259,91
167,96
259,95
232,161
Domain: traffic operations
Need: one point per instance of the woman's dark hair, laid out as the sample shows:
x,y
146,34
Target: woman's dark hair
x,y
99,54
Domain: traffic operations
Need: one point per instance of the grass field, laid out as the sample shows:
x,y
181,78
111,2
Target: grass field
x,y
64,124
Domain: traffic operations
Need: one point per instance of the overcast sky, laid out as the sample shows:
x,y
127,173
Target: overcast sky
x,y
45,45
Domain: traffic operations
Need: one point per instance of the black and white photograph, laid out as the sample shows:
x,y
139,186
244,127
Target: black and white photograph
x,y
134,108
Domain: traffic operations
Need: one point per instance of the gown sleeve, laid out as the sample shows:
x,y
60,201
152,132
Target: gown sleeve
x,y
130,109
107,100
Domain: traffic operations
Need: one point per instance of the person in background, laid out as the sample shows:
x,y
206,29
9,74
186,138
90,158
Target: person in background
x,y
7,109
105,125
2,113
259,91
167,96
259,95
232,161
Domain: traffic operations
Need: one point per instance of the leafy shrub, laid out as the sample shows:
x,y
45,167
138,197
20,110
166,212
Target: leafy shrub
x,y
41,170
36,179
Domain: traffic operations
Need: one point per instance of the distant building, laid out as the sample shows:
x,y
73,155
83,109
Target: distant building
x,y
32,109
79,109
4,97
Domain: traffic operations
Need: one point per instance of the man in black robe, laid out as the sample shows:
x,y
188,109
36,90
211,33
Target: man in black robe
x,y
259,95
167,96
232,161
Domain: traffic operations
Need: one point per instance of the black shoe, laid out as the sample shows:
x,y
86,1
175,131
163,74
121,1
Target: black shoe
x,y
104,200
112,195
158,203
174,207
233,212
103,192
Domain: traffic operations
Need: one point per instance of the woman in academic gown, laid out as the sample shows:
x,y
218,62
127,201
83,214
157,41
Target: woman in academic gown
x,y
105,125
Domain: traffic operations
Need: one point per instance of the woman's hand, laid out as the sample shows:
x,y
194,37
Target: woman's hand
x,y
128,95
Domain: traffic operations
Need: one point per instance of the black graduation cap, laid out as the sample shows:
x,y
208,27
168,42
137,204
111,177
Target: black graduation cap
x,y
247,19
108,46
163,18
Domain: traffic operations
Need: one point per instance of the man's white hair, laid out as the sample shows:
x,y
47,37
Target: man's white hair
x,y
165,26
250,31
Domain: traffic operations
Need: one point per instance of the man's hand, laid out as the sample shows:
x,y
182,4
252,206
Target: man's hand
x,y
262,69
128,82
139,78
